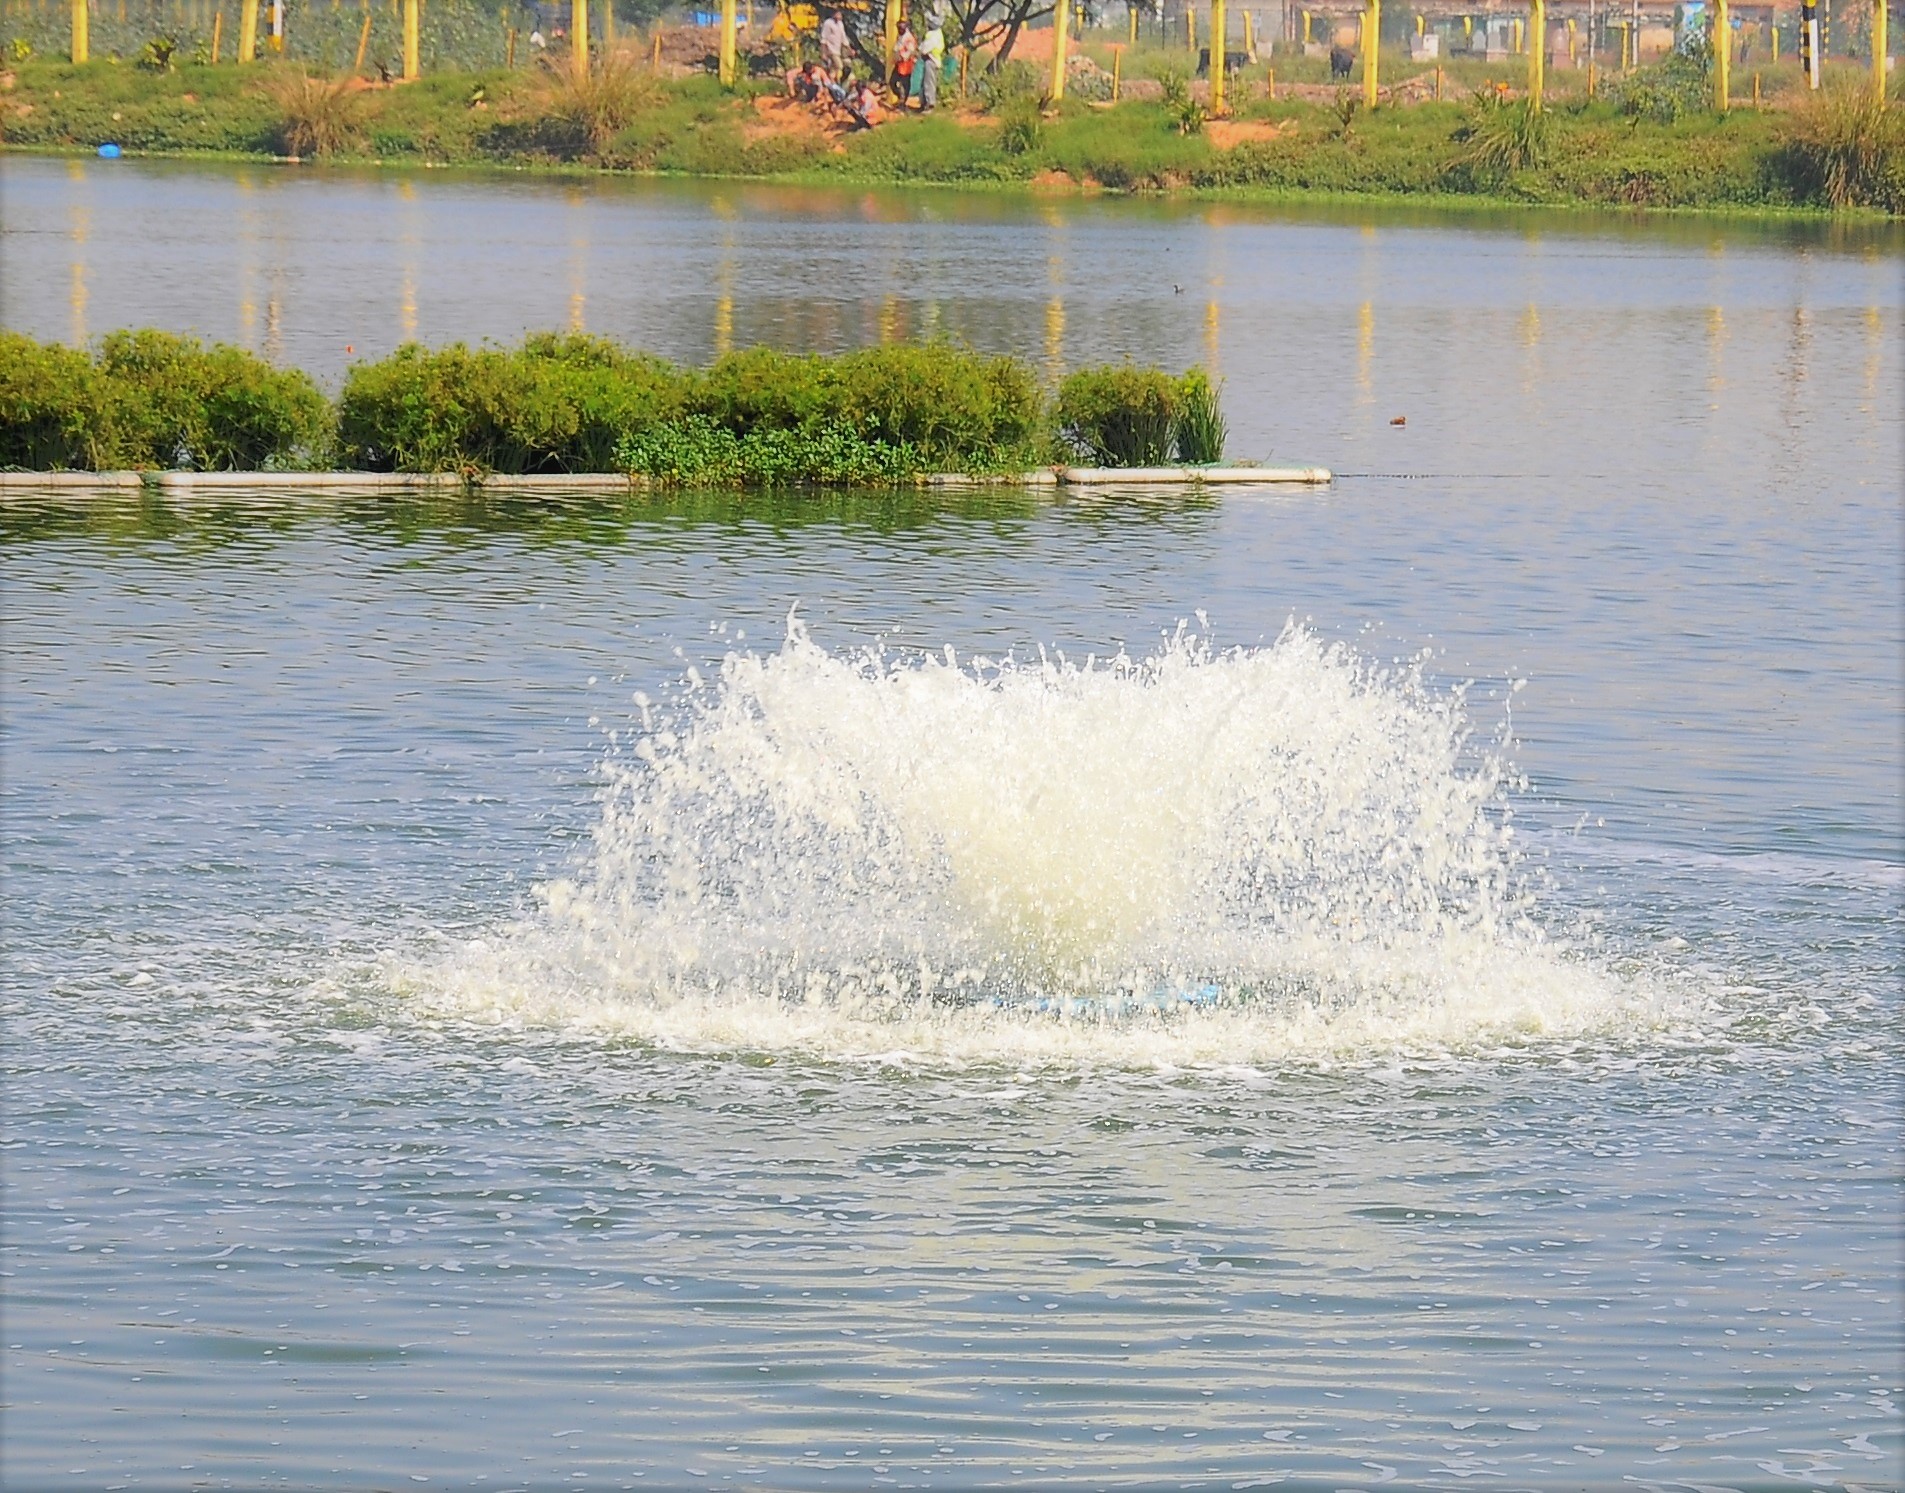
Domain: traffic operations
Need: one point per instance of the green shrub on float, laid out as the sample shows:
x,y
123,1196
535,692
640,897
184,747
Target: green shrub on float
x,y
155,400
558,403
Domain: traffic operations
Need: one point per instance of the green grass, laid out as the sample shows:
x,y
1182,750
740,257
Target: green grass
x,y
1586,152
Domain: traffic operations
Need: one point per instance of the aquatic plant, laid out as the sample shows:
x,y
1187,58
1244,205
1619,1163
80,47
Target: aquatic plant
x,y
1847,149
1120,416
318,116
697,452
1201,427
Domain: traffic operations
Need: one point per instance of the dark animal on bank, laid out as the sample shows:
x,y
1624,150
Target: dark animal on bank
x,y
1342,62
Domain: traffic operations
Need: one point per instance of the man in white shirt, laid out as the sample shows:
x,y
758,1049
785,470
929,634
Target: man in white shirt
x,y
833,43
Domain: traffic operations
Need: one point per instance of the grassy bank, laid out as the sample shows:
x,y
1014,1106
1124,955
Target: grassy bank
x,y
1644,142
881,416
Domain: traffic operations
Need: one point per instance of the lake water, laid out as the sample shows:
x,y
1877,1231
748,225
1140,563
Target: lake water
x,y
1065,1008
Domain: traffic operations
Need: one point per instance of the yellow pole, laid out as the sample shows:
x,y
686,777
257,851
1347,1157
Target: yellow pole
x,y
1537,52
363,42
412,56
1516,26
82,32
1775,31
1372,36
1270,84
1219,35
1190,28
1117,58
1879,80
247,30
608,27
1061,35
1306,28
1722,58
1755,90
890,35
654,60
1250,36
579,33
218,34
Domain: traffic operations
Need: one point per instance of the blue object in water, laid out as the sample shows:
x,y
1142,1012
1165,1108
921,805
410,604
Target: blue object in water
x,y
109,152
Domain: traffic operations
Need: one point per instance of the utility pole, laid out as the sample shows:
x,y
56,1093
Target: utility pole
x,y
1372,38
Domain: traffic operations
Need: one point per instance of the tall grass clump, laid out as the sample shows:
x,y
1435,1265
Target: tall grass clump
x,y
558,403
1847,149
1201,427
1116,416
318,116
1500,137
587,112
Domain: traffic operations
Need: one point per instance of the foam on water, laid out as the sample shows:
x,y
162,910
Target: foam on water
x,y
1196,856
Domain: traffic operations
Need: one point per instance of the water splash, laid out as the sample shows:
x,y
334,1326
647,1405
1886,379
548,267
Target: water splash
x,y
1194,856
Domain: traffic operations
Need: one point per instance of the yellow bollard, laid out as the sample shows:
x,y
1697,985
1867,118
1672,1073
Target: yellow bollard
x,y
509,47
654,58
218,35
1270,84
1537,52
1190,28
1515,26
82,33
363,42
1061,37
412,32
247,30
1219,35
1117,58
725,59
1756,102
1250,35
890,35
1372,45
1306,28
1722,58
1879,80
1134,26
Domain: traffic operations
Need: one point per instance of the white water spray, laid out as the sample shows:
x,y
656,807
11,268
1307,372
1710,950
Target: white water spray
x,y
1197,856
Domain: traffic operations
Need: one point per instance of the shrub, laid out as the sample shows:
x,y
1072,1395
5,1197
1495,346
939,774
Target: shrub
x,y
51,407
556,404
317,116
1847,149
1021,127
1201,427
1680,83
760,388
1120,416
955,407
173,402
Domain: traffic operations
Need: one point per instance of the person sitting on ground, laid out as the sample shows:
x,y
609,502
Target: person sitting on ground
x,y
807,82
863,103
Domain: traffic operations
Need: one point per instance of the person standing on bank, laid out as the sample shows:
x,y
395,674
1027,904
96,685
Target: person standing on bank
x,y
905,58
932,53
833,43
